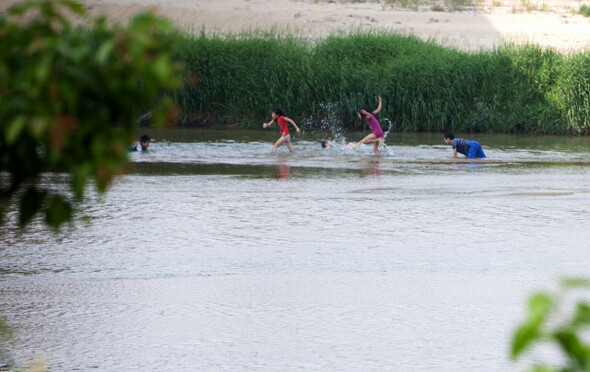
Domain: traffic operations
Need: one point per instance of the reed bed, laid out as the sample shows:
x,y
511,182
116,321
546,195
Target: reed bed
x,y
238,79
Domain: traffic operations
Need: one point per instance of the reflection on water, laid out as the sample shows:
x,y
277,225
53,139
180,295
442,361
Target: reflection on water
x,y
282,169
373,167
215,254
252,147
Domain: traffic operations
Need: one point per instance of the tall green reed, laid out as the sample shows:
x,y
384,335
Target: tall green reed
x,y
425,86
574,87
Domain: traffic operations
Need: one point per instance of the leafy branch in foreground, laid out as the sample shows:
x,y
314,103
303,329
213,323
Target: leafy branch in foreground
x,y
70,99
541,326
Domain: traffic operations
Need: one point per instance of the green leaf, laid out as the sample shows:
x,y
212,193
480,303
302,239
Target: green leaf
x,y
147,22
30,204
77,53
69,95
540,305
161,68
105,50
524,337
37,127
575,283
582,316
81,173
14,129
544,369
57,212
571,345
43,69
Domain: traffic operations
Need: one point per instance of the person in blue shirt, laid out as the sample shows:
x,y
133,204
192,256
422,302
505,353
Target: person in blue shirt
x,y
471,149
144,143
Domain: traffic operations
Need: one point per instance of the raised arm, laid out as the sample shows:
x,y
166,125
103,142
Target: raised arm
x,y
378,107
266,125
293,124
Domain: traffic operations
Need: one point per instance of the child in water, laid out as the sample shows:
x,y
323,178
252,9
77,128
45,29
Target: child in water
x,y
376,137
144,143
471,149
281,121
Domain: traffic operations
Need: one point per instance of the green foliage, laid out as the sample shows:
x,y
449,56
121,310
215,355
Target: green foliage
x,y
6,333
574,84
584,10
541,326
233,77
536,72
426,87
70,99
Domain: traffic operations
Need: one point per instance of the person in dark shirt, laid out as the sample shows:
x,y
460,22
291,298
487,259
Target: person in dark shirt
x,y
471,149
144,143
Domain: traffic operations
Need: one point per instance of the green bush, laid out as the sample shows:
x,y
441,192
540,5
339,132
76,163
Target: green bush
x,y
70,99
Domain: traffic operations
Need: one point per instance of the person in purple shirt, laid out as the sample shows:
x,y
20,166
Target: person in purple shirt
x,y
471,149
376,137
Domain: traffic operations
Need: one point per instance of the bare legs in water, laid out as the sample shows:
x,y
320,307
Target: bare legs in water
x,y
371,138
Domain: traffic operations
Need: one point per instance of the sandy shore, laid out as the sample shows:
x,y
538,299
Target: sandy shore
x,y
483,28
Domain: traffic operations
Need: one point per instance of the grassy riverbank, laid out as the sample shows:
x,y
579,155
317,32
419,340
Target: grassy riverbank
x,y
425,87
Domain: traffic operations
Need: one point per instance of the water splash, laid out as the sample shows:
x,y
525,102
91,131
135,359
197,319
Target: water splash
x,y
329,122
384,147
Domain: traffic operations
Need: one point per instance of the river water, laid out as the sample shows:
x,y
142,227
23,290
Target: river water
x,y
215,254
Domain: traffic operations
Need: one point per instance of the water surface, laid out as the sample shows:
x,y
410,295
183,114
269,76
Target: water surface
x,y
215,254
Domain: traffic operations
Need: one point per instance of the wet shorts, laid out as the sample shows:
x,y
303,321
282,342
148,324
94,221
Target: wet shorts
x,y
379,133
287,138
475,150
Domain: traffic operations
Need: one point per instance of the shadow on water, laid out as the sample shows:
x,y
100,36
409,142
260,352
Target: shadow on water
x,y
278,170
370,167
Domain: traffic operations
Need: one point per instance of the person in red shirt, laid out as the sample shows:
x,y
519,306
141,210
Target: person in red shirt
x,y
281,121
